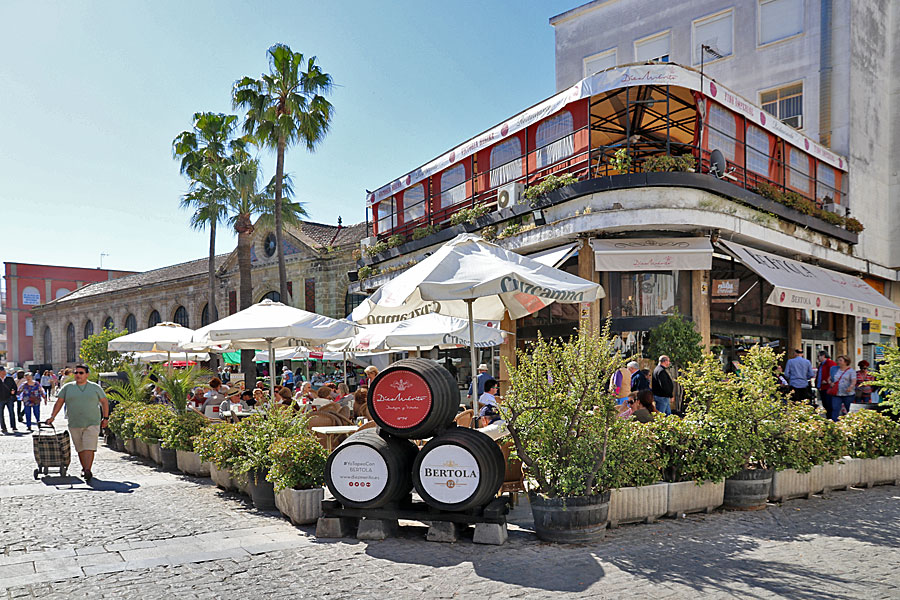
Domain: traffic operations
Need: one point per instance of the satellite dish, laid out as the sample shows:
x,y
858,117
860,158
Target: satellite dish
x,y
717,164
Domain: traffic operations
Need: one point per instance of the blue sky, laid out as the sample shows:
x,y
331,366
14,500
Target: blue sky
x,y
92,94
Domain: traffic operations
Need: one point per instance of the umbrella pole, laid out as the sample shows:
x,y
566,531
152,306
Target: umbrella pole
x,y
474,364
169,361
271,372
345,370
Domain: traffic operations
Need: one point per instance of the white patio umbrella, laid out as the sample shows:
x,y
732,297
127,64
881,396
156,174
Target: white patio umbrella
x,y
155,357
420,333
471,278
163,337
268,325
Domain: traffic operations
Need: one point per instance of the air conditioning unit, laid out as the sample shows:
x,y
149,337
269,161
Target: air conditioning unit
x,y
796,121
509,195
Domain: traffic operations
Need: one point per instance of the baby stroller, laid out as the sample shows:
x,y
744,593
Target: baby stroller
x,y
51,450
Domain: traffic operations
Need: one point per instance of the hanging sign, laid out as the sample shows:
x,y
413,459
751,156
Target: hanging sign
x,y
725,290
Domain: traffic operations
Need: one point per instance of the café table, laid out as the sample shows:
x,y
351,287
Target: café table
x,y
332,431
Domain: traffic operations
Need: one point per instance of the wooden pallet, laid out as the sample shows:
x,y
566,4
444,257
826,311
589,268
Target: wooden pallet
x,y
408,510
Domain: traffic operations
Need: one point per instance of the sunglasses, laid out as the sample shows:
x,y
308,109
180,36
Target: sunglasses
x,y
81,372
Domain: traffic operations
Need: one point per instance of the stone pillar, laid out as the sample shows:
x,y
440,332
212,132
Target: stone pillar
x,y
700,305
586,271
507,351
794,329
841,335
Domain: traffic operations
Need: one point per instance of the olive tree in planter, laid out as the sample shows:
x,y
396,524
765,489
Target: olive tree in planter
x,y
298,473
561,417
875,440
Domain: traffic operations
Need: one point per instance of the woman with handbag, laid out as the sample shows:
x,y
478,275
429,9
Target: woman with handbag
x,y
843,386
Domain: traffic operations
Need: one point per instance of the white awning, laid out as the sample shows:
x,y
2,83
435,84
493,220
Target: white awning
x,y
554,256
652,254
799,285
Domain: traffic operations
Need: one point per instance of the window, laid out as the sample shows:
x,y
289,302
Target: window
x,y
506,161
351,301
779,19
273,296
89,329
655,47
785,103
181,316
70,343
270,245
757,150
309,292
453,186
48,345
152,321
232,302
825,187
646,294
131,323
62,292
204,316
722,131
600,62
554,140
715,32
798,174
108,323
386,214
29,327
414,203
31,296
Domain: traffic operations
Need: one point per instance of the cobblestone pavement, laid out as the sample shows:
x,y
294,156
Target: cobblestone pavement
x,y
143,533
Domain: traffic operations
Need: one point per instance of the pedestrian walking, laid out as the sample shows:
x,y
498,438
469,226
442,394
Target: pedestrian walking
x,y
843,386
20,381
864,381
480,380
798,371
662,386
620,382
88,411
31,394
54,383
45,383
823,380
8,393
287,378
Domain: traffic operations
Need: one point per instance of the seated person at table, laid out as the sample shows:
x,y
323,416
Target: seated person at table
x,y
284,397
488,402
214,397
645,407
248,399
197,398
360,408
323,396
259,396
233,404
305,394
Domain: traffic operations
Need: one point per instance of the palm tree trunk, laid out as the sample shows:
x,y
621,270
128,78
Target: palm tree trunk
x,y
211,300
248,367
279,236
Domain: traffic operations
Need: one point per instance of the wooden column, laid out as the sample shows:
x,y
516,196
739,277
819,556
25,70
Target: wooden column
x,y
586,271
795,331
700,305
507,352
841,335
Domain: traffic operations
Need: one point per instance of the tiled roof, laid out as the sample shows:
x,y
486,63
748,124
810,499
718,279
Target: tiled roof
x,y
320,235
171,273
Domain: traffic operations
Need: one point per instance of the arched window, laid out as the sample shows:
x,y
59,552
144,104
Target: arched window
x,y
506,161
48,344
453,186
273,296
31,296
204,316
181,316
154,319
131,323
722,131
70,343
554,139
88,329
108,323
414,203
62,292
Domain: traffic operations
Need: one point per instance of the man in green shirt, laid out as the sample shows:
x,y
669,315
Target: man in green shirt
x,y
87,410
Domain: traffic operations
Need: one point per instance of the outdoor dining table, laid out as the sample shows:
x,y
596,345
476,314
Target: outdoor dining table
x,y
334,430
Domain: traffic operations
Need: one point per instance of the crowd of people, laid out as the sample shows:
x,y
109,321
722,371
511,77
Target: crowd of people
x,y
22,393
834,383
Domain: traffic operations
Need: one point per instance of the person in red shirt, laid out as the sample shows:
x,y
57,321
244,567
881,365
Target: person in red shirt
x,y
823,379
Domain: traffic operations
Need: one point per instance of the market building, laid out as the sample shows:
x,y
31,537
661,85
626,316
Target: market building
x,y
760,226
317,257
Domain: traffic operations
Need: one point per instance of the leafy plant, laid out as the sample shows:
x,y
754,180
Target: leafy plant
x,y
489,233
621,161
424,231
366,272
95,355
888,379
256,433
852,225
665,163
395,240
510,230
870,434
548,184
218,444
150,421
633,458
561,414
178,384
138,386
697,447
298,462
122,419
469,215
376,248
806,206
678,339
179,432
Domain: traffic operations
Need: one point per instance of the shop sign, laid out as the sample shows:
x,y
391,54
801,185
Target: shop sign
x,y
874,326
449,474
31,298
401,399
725,290
879,353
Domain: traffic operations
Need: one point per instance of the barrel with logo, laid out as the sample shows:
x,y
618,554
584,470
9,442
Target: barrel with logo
x,y
459,469
368,470
413,398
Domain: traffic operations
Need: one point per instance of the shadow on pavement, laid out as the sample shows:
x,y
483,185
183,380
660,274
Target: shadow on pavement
x,y
97,485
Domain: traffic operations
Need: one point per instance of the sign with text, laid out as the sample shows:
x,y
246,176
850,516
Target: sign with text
x,y
725,290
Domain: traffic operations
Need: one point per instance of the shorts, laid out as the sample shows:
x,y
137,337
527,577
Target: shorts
x,y
85,438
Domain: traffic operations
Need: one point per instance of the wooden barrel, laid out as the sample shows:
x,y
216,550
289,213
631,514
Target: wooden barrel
x,y
413,398
459,469
368,470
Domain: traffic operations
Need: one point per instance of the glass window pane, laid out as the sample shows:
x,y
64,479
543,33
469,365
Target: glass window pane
x,y
554,140
779,19
453,186
757,150
414,203
506,161
716,33
723,130
646,294
798,174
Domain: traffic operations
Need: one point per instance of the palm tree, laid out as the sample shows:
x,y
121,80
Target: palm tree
x,y
246,201
284,107
204,150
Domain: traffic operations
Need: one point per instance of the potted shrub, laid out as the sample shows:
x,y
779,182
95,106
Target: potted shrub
x,y
122,423
634,473
117,418
215,446
177,436
298,473
149,425
875,439
561,416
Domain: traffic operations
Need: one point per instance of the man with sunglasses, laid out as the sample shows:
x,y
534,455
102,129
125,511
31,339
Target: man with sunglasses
x,y
87,410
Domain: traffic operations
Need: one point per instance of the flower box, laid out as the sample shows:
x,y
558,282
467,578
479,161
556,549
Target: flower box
x,y
879,471
840,474
140,447
300,506
222,478
790,483
638,504
688,497
155,452
190,463
130,446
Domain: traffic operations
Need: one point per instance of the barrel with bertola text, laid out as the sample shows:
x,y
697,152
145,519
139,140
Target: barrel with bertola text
x,y
370,469
459,469
413,398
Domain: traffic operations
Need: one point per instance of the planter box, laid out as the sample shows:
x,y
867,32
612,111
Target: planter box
x,y
790,483
262,491
687,497
222,478
879,471
300,506
190,463
841,474
638,504
130,446
155,452
570,520
140,447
